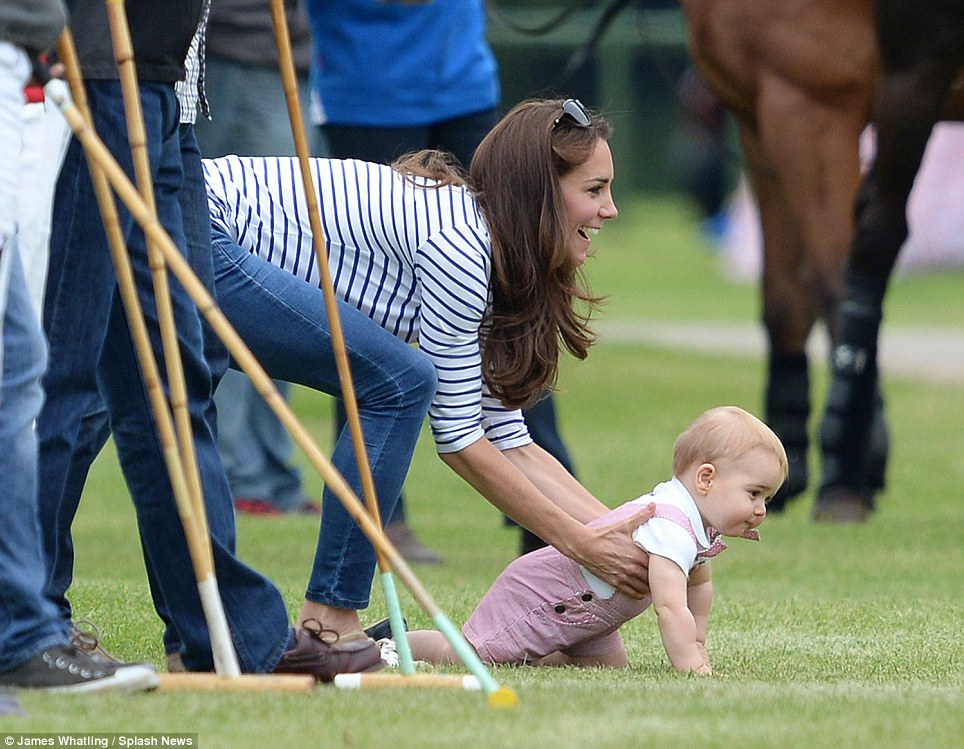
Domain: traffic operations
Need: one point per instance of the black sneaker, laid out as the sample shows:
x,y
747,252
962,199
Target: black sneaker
x,y
320,653
64,668
383,629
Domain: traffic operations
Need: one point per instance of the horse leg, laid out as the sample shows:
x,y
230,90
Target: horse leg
x,y
788,315
921,52
812,148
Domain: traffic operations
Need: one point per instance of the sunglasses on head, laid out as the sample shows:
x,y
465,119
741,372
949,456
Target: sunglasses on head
x,y
574,110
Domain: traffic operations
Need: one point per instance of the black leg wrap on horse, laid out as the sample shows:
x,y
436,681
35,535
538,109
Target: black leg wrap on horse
x,y
853,396
787,411
878,450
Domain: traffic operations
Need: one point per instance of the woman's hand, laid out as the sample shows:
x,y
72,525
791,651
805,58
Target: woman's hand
x,y
613,556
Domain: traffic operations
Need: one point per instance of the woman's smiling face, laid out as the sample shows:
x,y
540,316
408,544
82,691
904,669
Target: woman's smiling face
x,y
588,197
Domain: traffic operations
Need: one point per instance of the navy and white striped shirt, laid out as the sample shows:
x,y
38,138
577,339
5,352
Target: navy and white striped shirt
x,y
415,260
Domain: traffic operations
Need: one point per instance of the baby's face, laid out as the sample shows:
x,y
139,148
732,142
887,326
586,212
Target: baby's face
x,y
738,493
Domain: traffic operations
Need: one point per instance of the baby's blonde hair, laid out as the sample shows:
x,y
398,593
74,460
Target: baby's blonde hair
x,y
724,433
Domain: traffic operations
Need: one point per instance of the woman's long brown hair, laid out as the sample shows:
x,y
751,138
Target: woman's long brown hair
x,y
539,299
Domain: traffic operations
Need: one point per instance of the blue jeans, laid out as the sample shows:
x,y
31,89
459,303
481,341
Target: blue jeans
x,y
91,354
28,621
284,322
95,429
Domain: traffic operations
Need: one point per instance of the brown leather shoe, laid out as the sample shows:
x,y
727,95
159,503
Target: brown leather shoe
x,y
319,652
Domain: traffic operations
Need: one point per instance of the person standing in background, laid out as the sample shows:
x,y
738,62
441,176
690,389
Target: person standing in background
x,y
250,118
431,81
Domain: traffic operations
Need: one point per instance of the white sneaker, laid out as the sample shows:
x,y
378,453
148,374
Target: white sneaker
x,y
389,653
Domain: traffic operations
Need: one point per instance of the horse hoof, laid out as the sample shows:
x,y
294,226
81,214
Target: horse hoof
x,y
842,506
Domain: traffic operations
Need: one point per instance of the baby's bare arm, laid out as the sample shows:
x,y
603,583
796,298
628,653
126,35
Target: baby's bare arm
x,y
677,625
699,595
700,601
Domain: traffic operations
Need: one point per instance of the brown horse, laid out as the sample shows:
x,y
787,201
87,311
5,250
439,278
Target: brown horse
x,y
801,78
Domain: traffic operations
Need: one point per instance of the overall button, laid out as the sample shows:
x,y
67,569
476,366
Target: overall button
x,y
560,609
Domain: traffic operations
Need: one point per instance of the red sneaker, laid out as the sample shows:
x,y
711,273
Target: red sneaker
x,y
255,506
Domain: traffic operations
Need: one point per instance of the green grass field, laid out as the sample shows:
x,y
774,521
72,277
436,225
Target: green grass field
x,y
821,636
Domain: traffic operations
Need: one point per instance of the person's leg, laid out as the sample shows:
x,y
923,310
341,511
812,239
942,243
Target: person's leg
x,y
254,609
543,426
281,476
71,426
613,659
284,322
462,135
397,527
29,622
192,199
251,115
259,637
79,296
381,145
34,639
242,463
36,648
46,135
430,645
256,449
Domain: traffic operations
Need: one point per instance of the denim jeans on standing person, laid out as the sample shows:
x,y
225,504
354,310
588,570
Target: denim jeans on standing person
x,y
193,201
90,349
28,621
284,322
95,429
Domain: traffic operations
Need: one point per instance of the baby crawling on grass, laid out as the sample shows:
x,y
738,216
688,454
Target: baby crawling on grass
x,y
545,609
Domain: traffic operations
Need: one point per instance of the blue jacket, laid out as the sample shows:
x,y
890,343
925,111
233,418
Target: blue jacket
x,y
394,64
